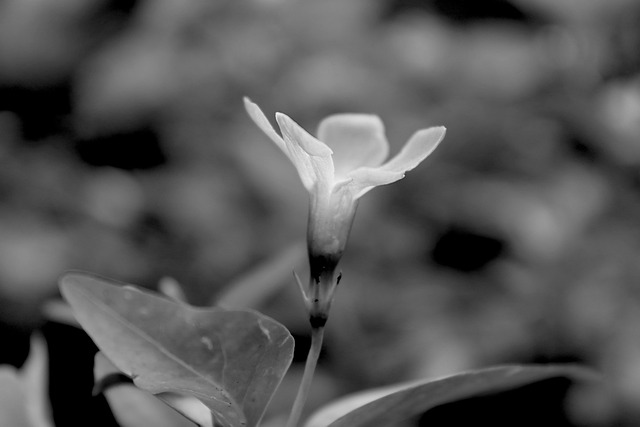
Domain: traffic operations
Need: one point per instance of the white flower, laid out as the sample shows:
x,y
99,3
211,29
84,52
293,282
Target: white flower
x,y
338,167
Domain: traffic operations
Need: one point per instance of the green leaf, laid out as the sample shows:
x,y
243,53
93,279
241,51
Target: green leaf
x,y
232,361
134,407
388,405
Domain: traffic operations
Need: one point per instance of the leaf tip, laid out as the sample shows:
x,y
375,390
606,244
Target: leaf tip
x,y
68,281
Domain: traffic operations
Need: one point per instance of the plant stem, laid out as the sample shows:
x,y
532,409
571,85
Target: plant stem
x,y
317,335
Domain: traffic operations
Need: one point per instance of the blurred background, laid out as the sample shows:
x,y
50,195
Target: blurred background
x,y
125,151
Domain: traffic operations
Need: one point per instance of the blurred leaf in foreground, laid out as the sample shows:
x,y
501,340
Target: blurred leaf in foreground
x,y
133,407
254,287
24,400
388,405
232,361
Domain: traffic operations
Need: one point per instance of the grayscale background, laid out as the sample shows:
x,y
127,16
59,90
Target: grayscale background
x,y
125,151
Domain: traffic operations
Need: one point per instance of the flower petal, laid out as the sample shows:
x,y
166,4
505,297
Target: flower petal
x,y
259,118
303,138
311,157
357,140
301,159
364,179
418,148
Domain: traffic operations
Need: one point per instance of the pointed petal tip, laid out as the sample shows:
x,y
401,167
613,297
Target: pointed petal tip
x,y
443,132
249,104
258,117
306,141
437,129
285,122
432,136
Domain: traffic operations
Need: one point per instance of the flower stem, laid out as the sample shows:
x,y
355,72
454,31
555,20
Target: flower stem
x,y
317,335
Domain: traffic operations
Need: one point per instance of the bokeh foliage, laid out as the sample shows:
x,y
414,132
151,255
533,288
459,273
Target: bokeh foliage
x,y
125,150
